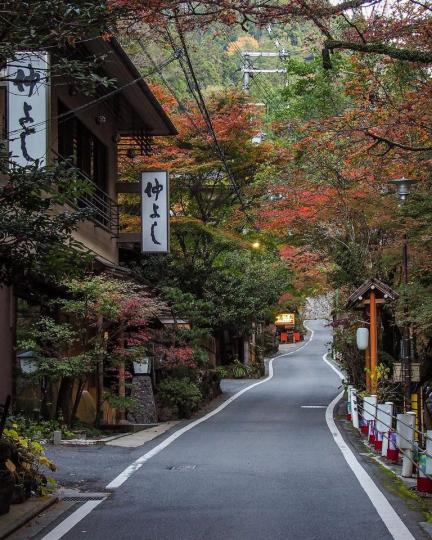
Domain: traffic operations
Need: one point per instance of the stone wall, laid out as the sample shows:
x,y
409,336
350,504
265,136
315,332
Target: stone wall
x,y
144,411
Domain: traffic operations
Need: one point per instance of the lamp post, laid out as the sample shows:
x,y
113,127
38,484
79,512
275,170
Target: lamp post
x,y
403,186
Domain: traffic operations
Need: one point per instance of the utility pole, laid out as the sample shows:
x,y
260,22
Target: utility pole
x,y
248,69
403,186
406,337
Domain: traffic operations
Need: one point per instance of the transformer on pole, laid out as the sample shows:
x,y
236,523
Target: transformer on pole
x,y
248,69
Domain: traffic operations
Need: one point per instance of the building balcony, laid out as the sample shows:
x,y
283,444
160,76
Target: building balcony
x,y
104,210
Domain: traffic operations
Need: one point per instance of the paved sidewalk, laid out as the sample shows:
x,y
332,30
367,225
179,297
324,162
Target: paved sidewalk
x,y
20,514
141,437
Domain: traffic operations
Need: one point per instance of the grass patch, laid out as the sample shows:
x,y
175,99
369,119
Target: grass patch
x,y
413,499
398,487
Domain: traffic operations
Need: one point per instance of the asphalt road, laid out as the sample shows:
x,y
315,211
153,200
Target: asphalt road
x,y
262,468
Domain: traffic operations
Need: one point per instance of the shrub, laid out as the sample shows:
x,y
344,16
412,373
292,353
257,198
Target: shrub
x,y
38,429
22,464
239,370
181,393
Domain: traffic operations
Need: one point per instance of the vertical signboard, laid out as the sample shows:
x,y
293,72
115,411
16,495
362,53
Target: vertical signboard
x,y
154,212
28,108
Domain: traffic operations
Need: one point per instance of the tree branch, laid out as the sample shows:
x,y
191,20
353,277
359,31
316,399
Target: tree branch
x,y
423,57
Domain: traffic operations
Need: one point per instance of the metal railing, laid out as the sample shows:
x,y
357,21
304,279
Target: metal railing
x,y
104,211
391,426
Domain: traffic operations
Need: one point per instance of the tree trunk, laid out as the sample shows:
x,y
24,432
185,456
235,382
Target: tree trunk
x,y
99,375
80,390
121,383
64,399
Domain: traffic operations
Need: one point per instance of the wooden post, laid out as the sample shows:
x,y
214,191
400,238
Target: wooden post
x,y
99,373
121,382
373,342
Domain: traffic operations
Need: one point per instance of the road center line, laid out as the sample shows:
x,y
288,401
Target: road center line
x,y
313,407
387,513
70,522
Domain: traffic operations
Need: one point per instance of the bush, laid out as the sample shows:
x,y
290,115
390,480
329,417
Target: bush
x,y
181,393
38,429
239,370
22,464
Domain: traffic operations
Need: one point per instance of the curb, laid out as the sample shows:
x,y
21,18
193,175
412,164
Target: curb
x,y
20,514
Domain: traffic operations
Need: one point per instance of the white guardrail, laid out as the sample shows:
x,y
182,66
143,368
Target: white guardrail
x,y
393,436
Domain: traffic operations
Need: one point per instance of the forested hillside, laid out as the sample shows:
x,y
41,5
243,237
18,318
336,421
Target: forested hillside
x,y
216,52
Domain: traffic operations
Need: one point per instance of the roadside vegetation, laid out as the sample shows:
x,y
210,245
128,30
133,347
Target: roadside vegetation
x,y
282,195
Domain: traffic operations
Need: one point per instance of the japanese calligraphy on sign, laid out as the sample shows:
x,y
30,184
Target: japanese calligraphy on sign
x,y
28,108
155,211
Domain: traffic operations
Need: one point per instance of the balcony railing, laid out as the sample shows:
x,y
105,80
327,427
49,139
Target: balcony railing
x,y
104,209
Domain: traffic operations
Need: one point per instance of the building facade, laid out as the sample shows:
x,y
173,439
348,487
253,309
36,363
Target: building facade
x,y
89,133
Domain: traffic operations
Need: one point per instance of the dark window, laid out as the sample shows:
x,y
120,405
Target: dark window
x,y
78,144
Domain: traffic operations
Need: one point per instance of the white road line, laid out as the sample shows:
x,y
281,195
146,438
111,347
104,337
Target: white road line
x,y
124,475
334,368
84,510
314,407
66,525
390,518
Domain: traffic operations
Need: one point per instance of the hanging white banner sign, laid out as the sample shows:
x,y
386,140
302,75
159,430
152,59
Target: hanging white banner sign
x,y
154,212
28,108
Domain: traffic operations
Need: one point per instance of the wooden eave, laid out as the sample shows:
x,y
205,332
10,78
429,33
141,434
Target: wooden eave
x,y
141,111
359,296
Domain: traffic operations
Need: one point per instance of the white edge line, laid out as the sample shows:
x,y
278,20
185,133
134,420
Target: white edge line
x,y
86,508
70,522
334,368
387,513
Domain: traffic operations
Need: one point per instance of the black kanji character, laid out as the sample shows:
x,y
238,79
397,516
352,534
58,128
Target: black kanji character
x,y
155,211
156,189
153,237
21,80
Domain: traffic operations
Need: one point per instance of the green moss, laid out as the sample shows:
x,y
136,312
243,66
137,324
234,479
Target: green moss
x,y
415,502
398,487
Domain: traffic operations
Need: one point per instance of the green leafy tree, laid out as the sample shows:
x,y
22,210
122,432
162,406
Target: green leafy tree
x,y
36,225
106,326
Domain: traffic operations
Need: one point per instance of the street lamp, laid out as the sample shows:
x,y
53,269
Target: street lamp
x,y
403,186
28,362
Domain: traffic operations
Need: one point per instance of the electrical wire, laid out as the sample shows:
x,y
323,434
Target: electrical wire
x,y
169,87
195,90
267,94
65,116
202,107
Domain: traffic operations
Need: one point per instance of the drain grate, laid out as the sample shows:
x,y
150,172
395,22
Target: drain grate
x,y
182,468
84,497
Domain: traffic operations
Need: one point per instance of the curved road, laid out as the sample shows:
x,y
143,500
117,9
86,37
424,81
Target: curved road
x,y
265,467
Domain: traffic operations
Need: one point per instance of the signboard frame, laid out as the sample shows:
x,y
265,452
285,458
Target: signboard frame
x,y
398,369
290,322
145,177
35,113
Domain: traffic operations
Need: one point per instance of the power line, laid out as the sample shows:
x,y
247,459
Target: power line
x,y
189,115
267,93
195,89
170,88
64,116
